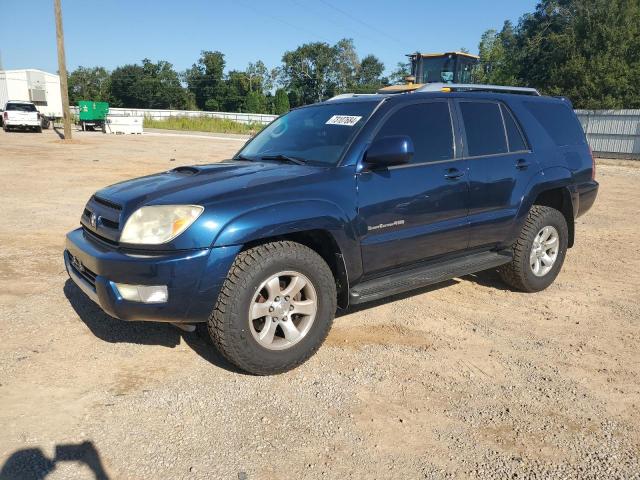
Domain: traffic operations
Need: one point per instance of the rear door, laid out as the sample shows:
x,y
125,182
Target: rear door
x,y
501,165
419,210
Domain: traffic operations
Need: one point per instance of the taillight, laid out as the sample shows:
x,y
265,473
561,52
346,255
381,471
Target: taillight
x,y
593,165
5,115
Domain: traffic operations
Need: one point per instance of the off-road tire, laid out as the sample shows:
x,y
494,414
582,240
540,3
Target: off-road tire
x,y
518,273
228,324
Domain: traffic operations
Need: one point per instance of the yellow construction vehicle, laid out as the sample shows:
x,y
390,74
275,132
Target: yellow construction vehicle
x,y
448,67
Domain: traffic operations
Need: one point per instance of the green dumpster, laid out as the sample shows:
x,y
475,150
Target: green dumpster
x,y
93,114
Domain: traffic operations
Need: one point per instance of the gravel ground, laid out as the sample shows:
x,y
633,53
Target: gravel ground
x,y
461,380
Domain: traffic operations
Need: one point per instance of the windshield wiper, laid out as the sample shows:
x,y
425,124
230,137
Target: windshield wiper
x,y
242,157
286,158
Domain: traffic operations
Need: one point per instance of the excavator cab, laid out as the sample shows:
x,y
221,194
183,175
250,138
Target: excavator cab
x,y
449,67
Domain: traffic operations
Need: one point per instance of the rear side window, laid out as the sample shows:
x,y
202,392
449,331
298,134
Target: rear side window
x,y
428,125
484,128
517,142
559,122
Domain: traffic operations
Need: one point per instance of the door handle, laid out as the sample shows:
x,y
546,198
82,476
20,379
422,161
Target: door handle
x,y
522,164
453,174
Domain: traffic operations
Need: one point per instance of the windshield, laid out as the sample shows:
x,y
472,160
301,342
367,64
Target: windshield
x,y
437,69
317,134
21,107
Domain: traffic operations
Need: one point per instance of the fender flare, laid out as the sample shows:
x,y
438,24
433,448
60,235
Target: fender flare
x,y
290,217
548,179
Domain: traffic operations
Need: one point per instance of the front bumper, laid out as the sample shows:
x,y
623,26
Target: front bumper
x,y
193,278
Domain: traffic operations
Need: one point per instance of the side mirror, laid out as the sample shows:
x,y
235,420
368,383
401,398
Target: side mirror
x,y
389,151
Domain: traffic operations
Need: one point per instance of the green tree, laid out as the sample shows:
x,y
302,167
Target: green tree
x,y
588,50
280,102
346,65
150,85
255,102
309,70
89,84
369,76
237,86
496,52
205,80
397,77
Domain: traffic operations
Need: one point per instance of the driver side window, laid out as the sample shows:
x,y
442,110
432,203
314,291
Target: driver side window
x,y
429,127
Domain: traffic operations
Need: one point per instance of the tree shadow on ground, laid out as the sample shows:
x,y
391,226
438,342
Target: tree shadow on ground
x,y
113,330
32,464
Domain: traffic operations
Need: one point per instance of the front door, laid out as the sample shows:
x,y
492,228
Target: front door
x,y
415,211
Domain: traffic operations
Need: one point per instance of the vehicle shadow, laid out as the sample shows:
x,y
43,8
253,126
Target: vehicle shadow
x,y
488,278
33,464
112,330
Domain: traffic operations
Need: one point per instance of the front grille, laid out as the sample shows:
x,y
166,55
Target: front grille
x,y
102,220
109,223
99,237
107,203
82,270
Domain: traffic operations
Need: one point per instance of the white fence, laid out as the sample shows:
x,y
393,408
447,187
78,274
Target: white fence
x,y
160,114
612,133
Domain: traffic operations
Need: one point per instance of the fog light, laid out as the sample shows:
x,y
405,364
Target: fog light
x,y
143,293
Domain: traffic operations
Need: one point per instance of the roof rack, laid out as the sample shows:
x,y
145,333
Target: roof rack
x,y
470,87
350,95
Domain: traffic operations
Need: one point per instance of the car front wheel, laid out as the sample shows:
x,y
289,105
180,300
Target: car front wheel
x,y
275,308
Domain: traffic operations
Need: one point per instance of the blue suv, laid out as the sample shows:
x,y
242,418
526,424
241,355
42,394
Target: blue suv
x,y
335,204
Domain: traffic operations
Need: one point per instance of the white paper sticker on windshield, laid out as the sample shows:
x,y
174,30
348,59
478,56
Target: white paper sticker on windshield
x,y
346,120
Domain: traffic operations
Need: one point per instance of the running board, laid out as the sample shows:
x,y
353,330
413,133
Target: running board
x,y
426,275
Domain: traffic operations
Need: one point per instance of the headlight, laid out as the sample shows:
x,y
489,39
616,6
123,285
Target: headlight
x,y
158,224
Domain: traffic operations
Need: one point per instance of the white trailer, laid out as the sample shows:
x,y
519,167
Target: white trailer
x,y
30,85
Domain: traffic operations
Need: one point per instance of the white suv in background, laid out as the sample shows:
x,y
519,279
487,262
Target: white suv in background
x,y
19,114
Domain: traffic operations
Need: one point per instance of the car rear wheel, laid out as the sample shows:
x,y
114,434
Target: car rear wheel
x,y
275,308
539,252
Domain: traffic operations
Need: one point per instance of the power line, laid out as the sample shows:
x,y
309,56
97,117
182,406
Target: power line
x,y
278,19
300,4
356,19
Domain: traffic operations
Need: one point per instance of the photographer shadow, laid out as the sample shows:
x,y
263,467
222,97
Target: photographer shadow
x,y
32,464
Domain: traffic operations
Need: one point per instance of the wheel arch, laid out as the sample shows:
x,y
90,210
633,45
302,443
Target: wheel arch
x,y
552,187
561,200
324,244
319,225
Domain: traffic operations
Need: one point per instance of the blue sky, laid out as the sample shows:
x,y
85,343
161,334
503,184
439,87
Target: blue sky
x,y
116,32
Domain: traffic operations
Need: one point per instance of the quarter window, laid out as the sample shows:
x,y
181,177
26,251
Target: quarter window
x,y
559,121
428,125
484,128
517,142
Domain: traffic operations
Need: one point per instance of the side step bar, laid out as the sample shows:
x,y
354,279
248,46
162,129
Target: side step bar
x,y
425,275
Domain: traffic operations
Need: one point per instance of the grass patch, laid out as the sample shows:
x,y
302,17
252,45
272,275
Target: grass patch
x,y
204,124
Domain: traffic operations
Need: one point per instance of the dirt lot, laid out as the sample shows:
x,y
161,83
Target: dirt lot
x,y
462,380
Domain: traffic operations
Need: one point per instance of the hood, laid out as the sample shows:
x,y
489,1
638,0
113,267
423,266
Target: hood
x,y
199,184
229,182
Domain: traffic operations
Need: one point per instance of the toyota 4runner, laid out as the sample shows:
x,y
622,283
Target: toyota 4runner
x,y
339,203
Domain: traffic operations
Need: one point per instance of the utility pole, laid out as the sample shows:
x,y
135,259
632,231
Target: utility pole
x,y
62,70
